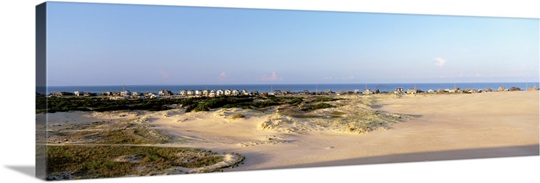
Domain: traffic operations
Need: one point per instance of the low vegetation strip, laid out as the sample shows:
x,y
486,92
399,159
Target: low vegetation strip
x,y
123,132
100,161
100,104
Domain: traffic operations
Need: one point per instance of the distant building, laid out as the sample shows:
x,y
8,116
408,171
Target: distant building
x,y
399,91
235,93
165,92
212,93
56,94
412,91
329,92
533,88
88,94
125,93
514,89
227,92
245,92
367,92
220,93
456,90
198,93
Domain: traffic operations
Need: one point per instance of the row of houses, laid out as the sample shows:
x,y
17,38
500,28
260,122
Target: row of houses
x,y
458,90
216,93
126,94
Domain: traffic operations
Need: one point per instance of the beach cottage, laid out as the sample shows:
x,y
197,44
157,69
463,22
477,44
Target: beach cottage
x,y
227,92
220,93
205,93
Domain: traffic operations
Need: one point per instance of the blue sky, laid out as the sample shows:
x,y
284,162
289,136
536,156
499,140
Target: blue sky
x,y
104,44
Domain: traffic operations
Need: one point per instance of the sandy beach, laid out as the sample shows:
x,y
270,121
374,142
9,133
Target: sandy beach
x,y
441,127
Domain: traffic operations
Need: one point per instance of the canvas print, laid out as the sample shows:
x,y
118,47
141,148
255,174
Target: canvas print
x,y
141,90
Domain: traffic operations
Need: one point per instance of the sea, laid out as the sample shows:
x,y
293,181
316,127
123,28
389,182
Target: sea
x,y
292,87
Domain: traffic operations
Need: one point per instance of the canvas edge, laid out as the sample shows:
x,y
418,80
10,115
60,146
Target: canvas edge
x,y
41,87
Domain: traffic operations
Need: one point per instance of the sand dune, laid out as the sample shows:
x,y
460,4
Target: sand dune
x,y
437,127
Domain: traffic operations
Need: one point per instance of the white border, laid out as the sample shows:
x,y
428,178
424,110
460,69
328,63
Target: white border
x,y
17,56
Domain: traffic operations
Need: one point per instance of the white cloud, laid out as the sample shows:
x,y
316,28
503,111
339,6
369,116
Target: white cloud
x,y
222,76
272,77
440,62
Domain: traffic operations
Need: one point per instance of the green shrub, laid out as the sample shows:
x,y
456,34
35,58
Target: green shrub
x,y
316,106
237,116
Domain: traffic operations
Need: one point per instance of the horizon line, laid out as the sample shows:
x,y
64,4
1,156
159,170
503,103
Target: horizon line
x,y
292,84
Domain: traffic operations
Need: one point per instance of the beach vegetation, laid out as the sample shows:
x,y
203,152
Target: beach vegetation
x,y
312,107
101,104
99,161
123,132
237,116
324,99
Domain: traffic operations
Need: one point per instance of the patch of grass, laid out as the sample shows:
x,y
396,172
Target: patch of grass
x,y
137,135
99,161
316,106
110,133
295,101
237,116
324,99
336,113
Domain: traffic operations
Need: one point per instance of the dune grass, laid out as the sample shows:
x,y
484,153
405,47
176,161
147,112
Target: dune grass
x,y
99,161
124,132
350,115
237,116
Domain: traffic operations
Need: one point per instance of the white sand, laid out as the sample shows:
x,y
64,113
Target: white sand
x,y
484,125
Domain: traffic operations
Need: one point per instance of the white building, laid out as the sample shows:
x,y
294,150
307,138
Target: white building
x,y
220,93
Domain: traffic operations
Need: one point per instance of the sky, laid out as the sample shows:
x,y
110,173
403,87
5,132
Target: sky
x,y
107,44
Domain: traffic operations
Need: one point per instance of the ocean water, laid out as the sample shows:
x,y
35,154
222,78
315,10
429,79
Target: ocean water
x,y
291,87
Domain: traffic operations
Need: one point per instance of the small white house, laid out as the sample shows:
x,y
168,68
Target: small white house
x,y
235,93
367,92
198,92
245,92
228,92
220,93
